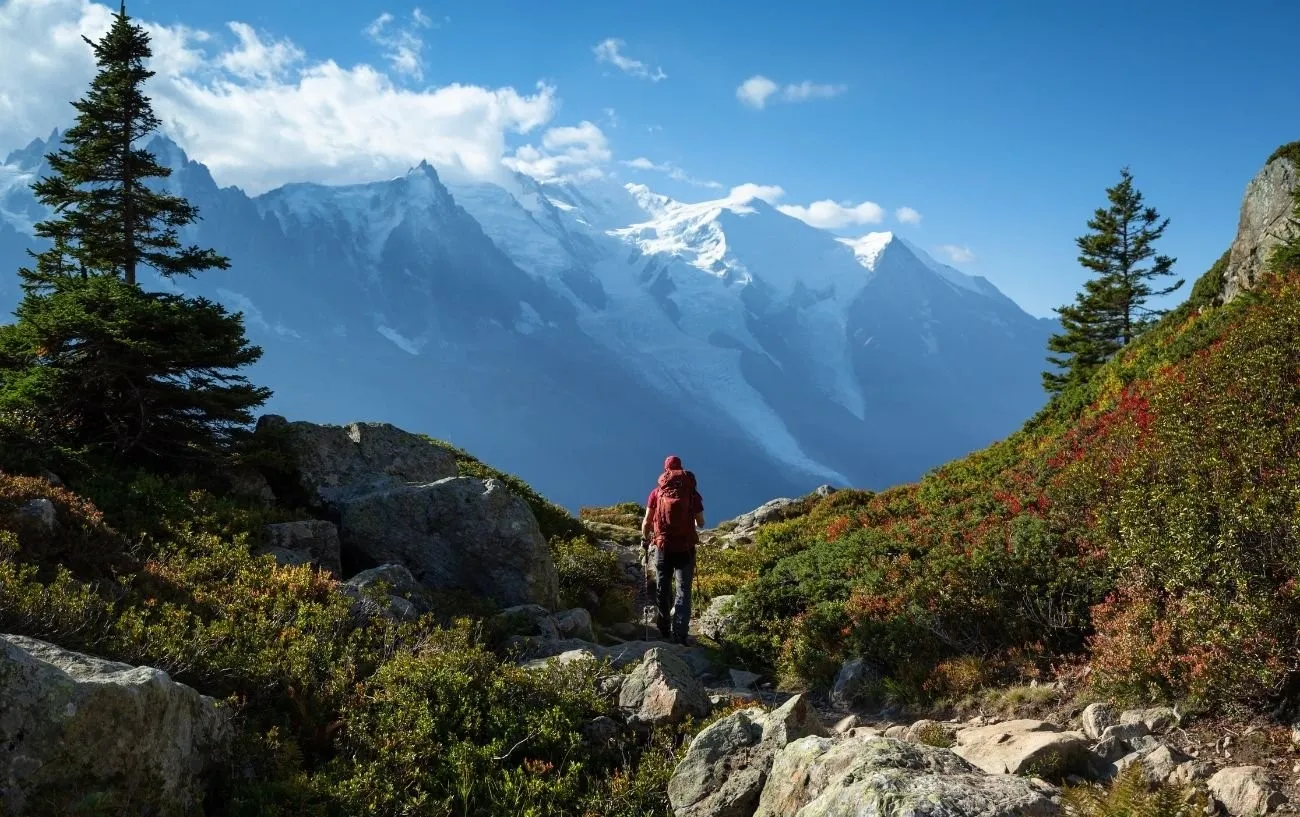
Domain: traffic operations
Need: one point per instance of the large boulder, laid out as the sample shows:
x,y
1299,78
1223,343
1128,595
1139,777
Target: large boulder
x,y
310,540
333,462
72,726
662,690
1261,226
726,765
1024,747
456,533
869,775
1246,791
1096,717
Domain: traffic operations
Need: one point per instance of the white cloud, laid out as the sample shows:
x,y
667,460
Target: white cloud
x,y
830,215
254,59
755,91
769,193
672,171
957,254
907,215
758,90
567,152
402,45
256,110
610,51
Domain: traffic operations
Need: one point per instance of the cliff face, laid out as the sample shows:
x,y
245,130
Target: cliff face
x,y
1263,224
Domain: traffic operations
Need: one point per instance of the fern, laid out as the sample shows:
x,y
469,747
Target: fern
x,y
1132,795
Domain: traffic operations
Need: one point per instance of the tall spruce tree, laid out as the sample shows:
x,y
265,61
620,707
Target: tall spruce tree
x,y
1111,310
94,362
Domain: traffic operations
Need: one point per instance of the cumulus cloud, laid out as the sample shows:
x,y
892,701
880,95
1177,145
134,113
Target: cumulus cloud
x,y
402,43
672,171
957,254
567,152
749,191
256,110
757,91
907,215
830,215
611,51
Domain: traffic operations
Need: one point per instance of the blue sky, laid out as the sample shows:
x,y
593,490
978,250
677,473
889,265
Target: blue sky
x,y
1000,122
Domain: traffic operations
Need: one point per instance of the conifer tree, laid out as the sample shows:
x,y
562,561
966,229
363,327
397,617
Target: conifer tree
x,y
94,362
1111,310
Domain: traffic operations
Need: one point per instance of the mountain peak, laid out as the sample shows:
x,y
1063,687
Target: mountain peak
x,y
868,248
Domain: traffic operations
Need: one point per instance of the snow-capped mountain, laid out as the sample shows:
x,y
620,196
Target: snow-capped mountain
x,y
575,333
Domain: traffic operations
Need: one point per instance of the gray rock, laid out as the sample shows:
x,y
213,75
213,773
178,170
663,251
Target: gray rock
x,y
317,539
396,578
824,491
457,533
662,690
717,620
601,731
39,513
1096,717
285,557
528,619
726,765
1261,226
1245,791
847,724
898,732
932,733
72,725
815,777
575,623
1157,719
740,679
1159,763
563,659
854,683
338,461
1024,747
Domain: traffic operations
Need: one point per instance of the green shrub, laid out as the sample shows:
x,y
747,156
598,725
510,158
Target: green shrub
x,y
592,577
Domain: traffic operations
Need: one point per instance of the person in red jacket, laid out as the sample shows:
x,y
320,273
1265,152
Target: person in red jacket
x,y
674,514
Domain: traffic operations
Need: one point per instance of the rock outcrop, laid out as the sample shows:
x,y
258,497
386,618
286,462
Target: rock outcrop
x,y
820,777
662,690
1245,791
1024,747
73,726
726,766
1261,226
398,500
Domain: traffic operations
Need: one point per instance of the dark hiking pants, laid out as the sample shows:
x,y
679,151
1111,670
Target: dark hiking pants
x,y
676,567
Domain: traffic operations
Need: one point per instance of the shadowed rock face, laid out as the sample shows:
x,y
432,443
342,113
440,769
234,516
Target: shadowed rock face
x,y
72,725
398,501
1263,225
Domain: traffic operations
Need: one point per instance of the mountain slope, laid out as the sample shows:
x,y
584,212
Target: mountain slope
x,y
603,326
1144,524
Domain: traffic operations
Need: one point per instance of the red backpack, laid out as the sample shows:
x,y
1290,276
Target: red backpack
x,y
674,517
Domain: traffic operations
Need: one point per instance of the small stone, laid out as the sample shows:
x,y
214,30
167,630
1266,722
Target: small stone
x,y
853,683
847,724
40,512
740,679
1096,718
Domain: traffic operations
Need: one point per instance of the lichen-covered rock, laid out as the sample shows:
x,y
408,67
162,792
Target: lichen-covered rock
x,y
718,618
931,732
72,725
1261,226
1245,791
334,462
396,578
1096,717
575,623
1024,747
726,765
1157,719
457,533
662,690
1159,763
816,777
315,539
854,683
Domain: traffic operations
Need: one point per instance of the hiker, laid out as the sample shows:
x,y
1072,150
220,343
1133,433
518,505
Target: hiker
x,y
673,513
